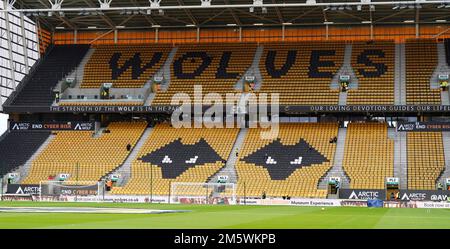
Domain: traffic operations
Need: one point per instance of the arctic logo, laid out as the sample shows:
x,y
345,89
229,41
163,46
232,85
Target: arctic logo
x,y
365,195
83,127
19,191
413,196
27,190
21,126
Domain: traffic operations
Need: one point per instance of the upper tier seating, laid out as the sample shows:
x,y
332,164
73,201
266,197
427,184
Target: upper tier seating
x,y
61,60
290,165
216,67
126,66
17,147
178,155
373,65
425,159
83,156
421,61
368,156
301,72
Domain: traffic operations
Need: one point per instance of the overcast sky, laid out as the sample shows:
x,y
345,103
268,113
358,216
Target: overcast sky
x,y
3,121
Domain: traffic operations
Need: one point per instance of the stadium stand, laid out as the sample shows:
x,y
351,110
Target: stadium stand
x,y
216,67
290,165
17,147
178,155
425,159
368,156
84,157
126,66
421,61
60,61
301,72
373,64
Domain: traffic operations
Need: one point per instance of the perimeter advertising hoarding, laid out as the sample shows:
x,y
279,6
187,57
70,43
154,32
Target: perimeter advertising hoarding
x,y
362,194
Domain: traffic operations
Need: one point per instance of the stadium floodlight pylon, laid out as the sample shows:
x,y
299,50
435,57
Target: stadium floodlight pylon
x,y
203,193
71,190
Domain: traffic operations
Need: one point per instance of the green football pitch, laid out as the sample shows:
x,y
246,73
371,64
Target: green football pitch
x,y
203,216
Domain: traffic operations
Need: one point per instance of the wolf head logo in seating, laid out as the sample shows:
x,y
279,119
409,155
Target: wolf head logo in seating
x,y
282,160
176,158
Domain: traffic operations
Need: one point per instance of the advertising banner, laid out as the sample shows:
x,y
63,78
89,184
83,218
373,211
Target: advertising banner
x,y
424,195
23,189
362,194
52,126
423,126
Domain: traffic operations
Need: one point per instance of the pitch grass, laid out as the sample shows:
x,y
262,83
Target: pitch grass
x,y
205,216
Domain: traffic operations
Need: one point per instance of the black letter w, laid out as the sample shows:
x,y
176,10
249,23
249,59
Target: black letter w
x,y
135,64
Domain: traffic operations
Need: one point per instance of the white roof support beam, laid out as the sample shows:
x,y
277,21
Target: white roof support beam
x,y
24,43
10,54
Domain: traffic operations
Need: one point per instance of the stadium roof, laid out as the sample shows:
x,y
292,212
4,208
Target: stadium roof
x,y
136,14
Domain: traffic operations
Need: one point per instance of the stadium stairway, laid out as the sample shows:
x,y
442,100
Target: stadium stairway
x,y
24,169
337,170
253,70
77,73
399,76
125,168
400,156
164,71
446,142
346,68
441,68
37,91
230,167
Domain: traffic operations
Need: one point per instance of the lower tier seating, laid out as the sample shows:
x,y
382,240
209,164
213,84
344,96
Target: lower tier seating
x,y
178,155
84,157
17,147
290,165
425,159
368,156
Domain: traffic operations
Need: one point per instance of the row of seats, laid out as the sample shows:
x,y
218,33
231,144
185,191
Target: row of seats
x,y
301,72
126,66
373,65
368,156
216,68
425,159
292,164
421,61
17,147
60,61
84,156
178,155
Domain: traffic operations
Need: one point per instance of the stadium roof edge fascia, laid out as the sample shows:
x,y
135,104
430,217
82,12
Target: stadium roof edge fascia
x,y
225,6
